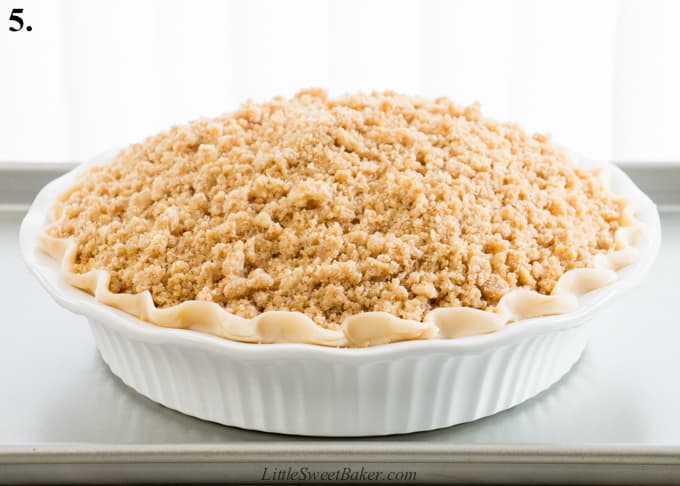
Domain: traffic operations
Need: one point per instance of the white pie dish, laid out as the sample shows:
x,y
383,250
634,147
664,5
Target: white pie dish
x,y
313,390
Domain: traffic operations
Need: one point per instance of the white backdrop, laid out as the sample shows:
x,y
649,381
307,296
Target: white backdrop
x,y
602,77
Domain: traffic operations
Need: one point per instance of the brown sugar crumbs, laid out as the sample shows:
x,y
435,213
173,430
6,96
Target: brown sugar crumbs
x,y
332,207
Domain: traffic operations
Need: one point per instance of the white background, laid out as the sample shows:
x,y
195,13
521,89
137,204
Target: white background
x,y
602,76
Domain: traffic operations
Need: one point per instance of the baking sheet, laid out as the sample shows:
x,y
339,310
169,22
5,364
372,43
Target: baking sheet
x,y
65,418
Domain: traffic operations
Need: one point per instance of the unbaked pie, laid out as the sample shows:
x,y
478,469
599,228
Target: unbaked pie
x,y
354,221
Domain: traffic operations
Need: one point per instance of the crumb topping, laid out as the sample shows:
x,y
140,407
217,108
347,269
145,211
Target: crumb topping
x,y
332,207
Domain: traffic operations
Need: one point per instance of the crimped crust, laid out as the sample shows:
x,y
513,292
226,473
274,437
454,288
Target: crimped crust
x,y
357,221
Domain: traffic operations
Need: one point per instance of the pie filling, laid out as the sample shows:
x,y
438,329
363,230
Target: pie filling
x,y
352,221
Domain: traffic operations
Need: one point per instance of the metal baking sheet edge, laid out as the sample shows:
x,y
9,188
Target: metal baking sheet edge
x,y
20,182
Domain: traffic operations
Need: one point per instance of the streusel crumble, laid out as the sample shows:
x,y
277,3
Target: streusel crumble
x,y
333,207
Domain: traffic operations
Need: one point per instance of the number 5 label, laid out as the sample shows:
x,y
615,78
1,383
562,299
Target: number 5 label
x,y
15,17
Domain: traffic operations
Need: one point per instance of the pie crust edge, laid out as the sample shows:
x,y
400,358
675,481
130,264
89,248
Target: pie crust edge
x,y
360,330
